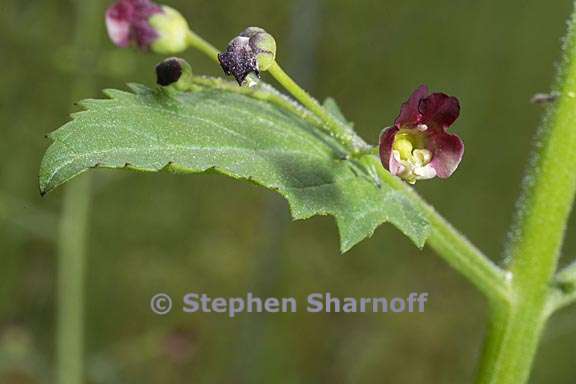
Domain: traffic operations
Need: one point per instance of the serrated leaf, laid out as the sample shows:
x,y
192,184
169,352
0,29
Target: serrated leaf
x,y
237,135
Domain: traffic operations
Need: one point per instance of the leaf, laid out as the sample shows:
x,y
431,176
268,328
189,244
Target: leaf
x,y
237,135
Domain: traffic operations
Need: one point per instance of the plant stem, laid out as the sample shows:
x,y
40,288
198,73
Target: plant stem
x,y
203,46
71,272
340,131
74,220
451,245
537,238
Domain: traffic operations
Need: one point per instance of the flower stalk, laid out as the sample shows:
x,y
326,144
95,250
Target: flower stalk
x,y
197,42
340,131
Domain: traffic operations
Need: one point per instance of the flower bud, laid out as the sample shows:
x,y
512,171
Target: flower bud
x,y
172,29
174,72
150,26
253,50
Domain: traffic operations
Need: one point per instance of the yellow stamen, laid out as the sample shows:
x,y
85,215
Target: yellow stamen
x,y
409,149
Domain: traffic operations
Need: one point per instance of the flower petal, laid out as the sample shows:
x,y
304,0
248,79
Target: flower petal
x,y
409,112
439,110
118,19
447,152
127,21
386,156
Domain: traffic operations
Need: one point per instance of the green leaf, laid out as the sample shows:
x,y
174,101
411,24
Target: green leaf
x,y
235,134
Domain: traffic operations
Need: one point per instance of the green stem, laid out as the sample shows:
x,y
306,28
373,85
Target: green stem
x,y
451,245
195,41
537,238
74,220
340,131
71,272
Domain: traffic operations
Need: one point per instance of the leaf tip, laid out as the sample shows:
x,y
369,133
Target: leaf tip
x,y
43,188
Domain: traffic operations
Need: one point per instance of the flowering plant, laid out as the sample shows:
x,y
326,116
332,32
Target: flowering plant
x,y
311,154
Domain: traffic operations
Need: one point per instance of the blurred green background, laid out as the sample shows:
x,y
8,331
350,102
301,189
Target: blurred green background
x,y
152,233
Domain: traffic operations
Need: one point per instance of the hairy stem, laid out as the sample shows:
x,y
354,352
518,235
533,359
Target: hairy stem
x,y
537,238
340,131
73,230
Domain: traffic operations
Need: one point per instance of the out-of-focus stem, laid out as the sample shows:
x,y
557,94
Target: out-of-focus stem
x,y
71,272
73,230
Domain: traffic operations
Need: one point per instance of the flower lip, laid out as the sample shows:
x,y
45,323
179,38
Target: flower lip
x,y
439,110
127,22
418,147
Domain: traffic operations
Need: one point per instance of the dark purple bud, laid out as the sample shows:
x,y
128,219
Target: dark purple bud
x,y
252,51
418,147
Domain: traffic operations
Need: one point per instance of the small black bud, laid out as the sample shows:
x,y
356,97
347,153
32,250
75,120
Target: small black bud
x,y
176,73
168,72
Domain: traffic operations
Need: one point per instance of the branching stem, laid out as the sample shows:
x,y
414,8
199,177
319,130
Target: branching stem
x,y
537,238
522,298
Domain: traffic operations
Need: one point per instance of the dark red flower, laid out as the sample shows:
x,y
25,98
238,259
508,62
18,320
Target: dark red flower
x,y
418,147
148,25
